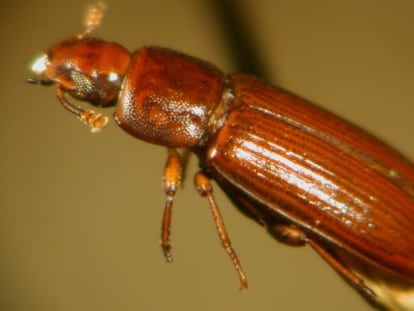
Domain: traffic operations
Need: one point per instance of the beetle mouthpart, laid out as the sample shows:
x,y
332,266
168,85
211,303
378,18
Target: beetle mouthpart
x,y
40,64
94,119
37,81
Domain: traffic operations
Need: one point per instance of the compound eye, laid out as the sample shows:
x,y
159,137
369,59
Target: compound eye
x,y
83,85
40,64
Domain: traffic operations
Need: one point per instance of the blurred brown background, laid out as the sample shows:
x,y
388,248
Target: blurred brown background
x,y
80,213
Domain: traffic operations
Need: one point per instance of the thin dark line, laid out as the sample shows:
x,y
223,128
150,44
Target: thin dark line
x,y
239,37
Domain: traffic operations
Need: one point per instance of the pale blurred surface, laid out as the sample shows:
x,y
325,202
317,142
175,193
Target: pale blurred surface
x,y
80,213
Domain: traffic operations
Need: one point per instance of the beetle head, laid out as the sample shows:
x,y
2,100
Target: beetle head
x,y
89,69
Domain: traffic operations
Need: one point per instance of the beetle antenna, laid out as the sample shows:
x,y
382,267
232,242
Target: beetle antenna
x,y
93,18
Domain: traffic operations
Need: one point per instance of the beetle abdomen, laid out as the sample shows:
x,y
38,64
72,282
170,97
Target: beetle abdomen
x,y
320,172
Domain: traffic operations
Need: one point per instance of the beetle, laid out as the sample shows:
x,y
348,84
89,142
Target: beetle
x,y
309,177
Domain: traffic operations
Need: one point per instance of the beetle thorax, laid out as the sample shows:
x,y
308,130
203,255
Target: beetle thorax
x,y
167,98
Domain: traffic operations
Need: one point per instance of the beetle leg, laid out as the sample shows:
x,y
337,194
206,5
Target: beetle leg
x,y
288,234
171,182
89,117
185,156
344,271
205,189
295,237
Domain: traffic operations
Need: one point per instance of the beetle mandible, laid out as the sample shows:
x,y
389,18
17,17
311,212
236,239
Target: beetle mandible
x,y
306,175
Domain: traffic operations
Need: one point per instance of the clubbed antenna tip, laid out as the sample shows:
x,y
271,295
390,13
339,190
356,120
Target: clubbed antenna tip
x,y
93,18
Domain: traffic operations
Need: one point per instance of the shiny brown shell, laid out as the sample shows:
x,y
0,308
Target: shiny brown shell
x,y
319,172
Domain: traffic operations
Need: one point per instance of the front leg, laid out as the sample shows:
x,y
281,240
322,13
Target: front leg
x,y
171,182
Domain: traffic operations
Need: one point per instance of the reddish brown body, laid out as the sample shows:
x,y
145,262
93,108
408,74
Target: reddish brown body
x,y
326,176
308,176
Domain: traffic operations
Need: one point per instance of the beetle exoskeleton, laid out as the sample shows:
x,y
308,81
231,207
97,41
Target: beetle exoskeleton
x,y
308,176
